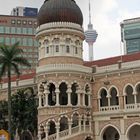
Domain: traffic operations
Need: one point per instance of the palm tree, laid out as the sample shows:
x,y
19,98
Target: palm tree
x,y
10,59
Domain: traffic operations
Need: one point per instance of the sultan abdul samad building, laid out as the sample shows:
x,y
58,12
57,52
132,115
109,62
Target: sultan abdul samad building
x,y
96,100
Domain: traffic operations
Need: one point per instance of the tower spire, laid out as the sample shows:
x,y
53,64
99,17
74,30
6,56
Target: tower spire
x,y
89,13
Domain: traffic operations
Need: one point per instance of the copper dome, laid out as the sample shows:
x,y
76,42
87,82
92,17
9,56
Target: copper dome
x,y
60,11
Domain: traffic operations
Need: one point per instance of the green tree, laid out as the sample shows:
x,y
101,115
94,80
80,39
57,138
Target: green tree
x,y
10,59
3,114
24,110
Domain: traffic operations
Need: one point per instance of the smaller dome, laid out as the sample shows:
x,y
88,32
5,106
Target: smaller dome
x,y
60,11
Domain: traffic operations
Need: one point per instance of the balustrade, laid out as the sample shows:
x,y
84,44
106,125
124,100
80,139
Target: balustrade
x,y
109,108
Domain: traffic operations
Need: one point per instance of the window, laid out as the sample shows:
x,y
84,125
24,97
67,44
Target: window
x,y
18,30
13,30
76,50
30,31
30,42
1,39
7,41
24,30
47,49
57,48
68,40
1,29
7,30
24,42
13,40
67,49
35,43
19,40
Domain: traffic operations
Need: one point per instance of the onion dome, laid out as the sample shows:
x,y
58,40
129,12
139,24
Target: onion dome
x,y
60,11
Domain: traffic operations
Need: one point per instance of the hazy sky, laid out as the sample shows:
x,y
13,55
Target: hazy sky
x,y
106,18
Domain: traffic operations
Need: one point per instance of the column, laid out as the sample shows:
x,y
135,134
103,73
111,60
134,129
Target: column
x,y
57,130
46,132
90,124
46,92
108,97
89,100
135,99
70,126
39,133
40,100
83,98
80,124
57,96
84,123
125,101
69,95
79,97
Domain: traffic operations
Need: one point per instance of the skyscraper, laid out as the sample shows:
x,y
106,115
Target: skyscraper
x,y
90,36
130,35
20,29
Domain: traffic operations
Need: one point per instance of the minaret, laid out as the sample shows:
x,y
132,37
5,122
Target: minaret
x,y
90,36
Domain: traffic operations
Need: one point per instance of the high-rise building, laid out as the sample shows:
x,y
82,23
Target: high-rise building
x,y
24,11
20,29
130,35
90,36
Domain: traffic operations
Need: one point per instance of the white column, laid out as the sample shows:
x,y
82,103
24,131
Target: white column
x,y
83,98
84,123
40,100
69,95
46,92
57,131
89,100
79,97
57,96
80,124
46,132
135,99
90,124
70,126
39,133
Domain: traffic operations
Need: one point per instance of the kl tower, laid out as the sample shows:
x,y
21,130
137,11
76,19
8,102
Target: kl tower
x,y
90,36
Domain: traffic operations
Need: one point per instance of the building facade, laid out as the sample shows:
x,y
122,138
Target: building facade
x,y
20,29
78,100
24,11
130,34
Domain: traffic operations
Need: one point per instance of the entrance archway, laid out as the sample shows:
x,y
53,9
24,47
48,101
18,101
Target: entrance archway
x,y
110,133
134,133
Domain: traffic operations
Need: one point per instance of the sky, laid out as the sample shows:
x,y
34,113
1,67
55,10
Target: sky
x,y
106,18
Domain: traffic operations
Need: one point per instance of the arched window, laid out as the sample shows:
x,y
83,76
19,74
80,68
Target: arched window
x,y
52,95
129,95
138,93
52,129
67,49
57,48
87,89
104,99
75,119
114,98
63,124
63,97
111,134
74,98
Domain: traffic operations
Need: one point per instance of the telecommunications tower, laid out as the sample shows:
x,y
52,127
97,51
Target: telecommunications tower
x,y
90,36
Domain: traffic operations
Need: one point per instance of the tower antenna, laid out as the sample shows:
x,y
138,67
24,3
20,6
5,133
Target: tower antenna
x,y
89,13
